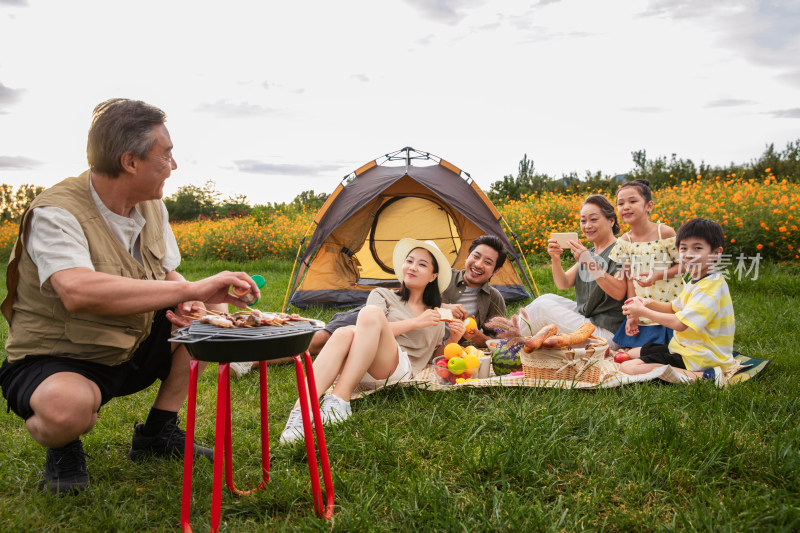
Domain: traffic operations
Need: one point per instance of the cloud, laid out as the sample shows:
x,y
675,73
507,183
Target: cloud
x,y
9,96
14,3
8,162
227,109
530,24
272,86
259,167
729,102
765,32
448,12
360,77
644,109
425,41
786,113
680,9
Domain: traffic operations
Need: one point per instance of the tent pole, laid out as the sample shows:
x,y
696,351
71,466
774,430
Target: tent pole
x,y
524,260
296,258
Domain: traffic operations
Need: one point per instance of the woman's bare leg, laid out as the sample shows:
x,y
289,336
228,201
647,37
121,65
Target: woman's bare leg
x,y
373,350
330,360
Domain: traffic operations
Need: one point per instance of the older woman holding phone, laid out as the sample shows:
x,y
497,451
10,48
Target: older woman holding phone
x,y
599,294
395,335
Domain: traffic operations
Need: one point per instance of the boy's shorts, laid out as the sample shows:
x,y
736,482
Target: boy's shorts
x,y
659,354
152,360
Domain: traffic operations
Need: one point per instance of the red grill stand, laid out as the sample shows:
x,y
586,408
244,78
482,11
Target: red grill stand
x,y
223,449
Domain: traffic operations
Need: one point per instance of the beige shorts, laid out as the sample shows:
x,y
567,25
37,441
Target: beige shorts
x,y
403,370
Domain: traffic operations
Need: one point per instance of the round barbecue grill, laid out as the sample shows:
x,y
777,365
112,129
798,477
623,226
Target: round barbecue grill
x,y
208,342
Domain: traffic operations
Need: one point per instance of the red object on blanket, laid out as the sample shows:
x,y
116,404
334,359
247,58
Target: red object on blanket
x,y
621,357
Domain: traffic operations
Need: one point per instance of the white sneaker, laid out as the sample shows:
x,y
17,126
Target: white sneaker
x,y
294,428
334,410
240,369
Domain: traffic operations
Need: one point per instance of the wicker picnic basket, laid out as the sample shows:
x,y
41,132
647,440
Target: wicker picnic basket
x,y
581,363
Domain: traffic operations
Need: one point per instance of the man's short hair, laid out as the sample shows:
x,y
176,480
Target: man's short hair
x,y
702,228
118,126
492,242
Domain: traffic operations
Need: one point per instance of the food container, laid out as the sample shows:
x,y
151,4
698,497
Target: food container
x,y
583,363
491,344
485,370
445,377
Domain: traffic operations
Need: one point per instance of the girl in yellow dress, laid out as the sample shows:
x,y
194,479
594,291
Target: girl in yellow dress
x,y
650,262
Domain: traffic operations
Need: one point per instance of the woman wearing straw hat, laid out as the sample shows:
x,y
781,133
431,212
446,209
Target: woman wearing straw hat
x,y
394,337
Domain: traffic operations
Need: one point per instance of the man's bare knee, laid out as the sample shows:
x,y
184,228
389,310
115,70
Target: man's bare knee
x,y
64,407
318,341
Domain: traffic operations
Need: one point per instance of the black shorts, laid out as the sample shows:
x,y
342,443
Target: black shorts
x,y
659,354
152,360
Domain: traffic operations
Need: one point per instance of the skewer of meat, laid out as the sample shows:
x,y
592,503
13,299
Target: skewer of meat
x,y
216,320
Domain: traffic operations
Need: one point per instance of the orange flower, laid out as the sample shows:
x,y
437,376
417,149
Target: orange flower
x,y
760,246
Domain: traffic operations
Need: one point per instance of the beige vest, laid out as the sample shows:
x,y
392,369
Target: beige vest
x,y
40,325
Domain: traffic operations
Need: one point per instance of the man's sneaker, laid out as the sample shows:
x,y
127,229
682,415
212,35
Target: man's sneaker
x,y
240,369
169,442
65,469
294,428
714,374
334,410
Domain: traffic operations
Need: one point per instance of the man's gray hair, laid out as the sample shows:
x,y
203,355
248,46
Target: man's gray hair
x,y
120,125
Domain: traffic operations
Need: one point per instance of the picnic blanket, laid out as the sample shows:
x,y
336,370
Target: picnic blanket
x,y
744,369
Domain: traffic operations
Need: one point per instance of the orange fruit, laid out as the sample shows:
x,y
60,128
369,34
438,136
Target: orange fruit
x,y
452,350
470,325
471,361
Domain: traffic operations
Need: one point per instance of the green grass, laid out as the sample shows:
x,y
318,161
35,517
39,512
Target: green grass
x,y
648,457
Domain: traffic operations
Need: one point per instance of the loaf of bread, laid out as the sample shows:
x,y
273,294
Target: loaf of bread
x,y
578,336
535,342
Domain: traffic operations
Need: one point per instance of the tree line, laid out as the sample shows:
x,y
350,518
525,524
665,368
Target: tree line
x,y
660,172
192,202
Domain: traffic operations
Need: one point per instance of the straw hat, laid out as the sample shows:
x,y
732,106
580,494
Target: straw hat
x,y
404,247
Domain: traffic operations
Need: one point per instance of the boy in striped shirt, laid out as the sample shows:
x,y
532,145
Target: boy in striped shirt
x,y
702,315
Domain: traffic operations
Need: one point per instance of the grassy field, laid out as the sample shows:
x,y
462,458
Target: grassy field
x,y
646,457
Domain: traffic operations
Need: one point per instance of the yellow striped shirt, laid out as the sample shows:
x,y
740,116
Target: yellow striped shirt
x,y
706,308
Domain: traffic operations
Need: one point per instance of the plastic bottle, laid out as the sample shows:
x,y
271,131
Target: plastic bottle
x,y
246,295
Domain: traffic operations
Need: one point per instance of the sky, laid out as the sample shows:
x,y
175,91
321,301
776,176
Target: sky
x,y
269,99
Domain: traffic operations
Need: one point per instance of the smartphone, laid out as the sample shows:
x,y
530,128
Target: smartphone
x,y
564,238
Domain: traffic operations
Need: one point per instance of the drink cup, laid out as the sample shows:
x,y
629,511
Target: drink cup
x,y
484,369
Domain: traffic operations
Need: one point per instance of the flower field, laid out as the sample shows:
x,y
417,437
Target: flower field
x,y
8,233
759,216
242,239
